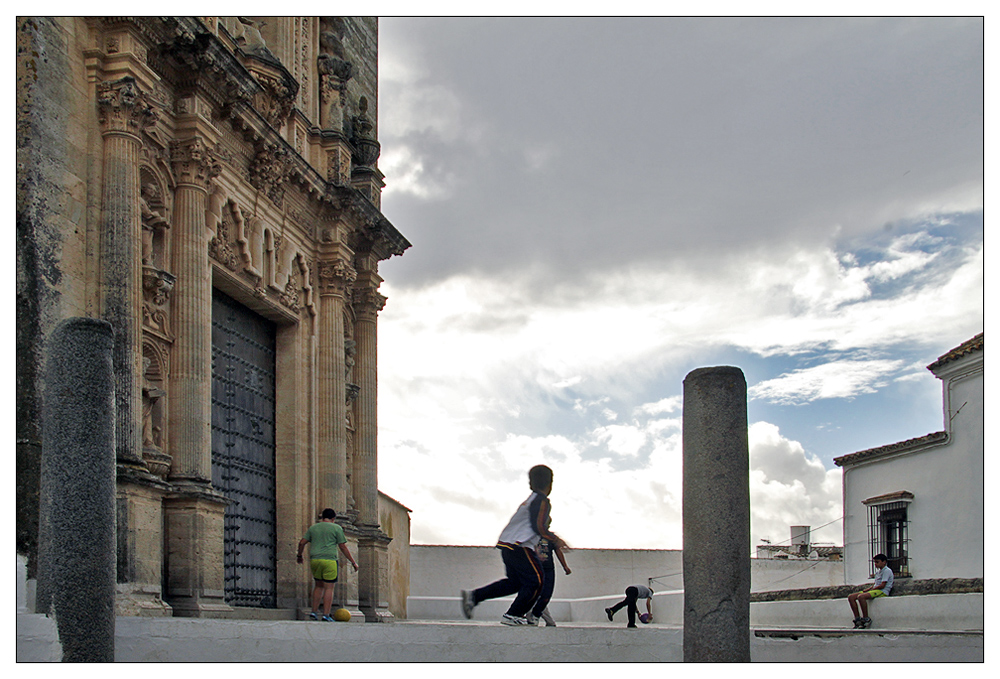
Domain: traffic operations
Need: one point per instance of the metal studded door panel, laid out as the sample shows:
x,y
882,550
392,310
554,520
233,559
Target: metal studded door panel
x,y
243,352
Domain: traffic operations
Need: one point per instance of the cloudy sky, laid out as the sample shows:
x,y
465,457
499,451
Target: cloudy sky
x,y
600,206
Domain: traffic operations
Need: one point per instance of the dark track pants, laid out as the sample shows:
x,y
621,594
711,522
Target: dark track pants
x,y
524,576
631,596
548,584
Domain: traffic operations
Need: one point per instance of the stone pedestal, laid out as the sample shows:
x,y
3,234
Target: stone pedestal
x,y
373,578
195,568
716,517
139,510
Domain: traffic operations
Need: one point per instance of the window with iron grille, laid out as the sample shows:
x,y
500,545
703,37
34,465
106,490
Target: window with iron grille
x,y
888,534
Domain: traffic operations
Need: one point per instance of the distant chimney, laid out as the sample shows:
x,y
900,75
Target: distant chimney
x,y
800,539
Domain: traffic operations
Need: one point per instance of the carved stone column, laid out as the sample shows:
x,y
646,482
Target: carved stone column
x,y
190,400
373,543
124,111
367,303
335,279
195,513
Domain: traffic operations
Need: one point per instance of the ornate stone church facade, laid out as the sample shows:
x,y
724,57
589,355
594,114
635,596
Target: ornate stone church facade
x,y
209,186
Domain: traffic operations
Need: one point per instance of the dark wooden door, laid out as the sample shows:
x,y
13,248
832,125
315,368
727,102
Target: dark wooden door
x,y
243,352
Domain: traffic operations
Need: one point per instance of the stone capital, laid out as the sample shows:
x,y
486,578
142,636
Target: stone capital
x,y
367,302
335,277
123,108
193,163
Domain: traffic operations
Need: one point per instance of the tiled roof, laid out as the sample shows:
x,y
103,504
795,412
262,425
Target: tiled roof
x,y
891,448
965,348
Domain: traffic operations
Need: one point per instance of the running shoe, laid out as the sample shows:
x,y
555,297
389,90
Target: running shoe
x,y
468,603
611,615
513,620
313,616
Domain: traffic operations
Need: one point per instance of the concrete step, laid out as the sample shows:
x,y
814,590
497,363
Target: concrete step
x,y
199,640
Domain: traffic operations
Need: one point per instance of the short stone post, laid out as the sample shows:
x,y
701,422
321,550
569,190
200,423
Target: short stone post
x,y
76,528
716,517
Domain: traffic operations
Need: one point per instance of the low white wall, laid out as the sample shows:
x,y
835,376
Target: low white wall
x,y
951,612
443,570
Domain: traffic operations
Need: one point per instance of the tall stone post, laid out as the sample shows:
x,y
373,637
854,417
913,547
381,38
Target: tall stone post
x,y
716,517
195,513
335,279
76,552
373,543
124,111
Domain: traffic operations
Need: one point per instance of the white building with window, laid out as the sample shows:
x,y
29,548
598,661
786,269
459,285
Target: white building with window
x,y
920,502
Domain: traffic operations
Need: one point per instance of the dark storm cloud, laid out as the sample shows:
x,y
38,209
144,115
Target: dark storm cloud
x,y
580,145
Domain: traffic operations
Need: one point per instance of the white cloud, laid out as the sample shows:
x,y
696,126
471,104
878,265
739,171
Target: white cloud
x,y
789,487
836,379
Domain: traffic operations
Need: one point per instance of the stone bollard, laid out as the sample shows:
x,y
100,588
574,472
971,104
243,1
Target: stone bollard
x,y
76,527
716,517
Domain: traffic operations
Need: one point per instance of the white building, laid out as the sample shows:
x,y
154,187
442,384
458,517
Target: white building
x,y
920,502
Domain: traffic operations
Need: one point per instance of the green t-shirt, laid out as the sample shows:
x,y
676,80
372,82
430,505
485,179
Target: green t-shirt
x,y
324,538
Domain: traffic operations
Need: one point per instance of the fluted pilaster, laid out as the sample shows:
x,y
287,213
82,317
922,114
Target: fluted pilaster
x,y
124,111
190,404
335,280
367,303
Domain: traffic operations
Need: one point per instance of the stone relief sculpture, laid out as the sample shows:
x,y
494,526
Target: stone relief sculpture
x,y
153,420
153,224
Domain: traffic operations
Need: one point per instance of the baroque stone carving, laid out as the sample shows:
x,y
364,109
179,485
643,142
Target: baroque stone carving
x,y
336,277
193,162
153,420
366,148
220,248
367,302
123,107
153,223
268,172
156,287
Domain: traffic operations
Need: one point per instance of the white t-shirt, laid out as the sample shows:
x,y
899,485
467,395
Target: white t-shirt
x,y
520,530
884,575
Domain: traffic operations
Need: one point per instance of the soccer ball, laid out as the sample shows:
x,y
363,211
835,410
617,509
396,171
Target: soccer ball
x,y
342,615
645,618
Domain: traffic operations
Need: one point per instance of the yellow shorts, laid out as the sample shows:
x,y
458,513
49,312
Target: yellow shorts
x,y
324,569
876,593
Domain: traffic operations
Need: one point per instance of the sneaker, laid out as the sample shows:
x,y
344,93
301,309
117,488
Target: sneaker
x,y
327,618
631,627
532,620
313,616
611,616
513,620
468,603
857,623
549,622
866,623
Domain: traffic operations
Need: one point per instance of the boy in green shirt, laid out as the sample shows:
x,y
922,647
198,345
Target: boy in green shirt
x,y
324,539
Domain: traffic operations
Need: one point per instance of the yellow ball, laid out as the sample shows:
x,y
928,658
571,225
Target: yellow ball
x,y
342,615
